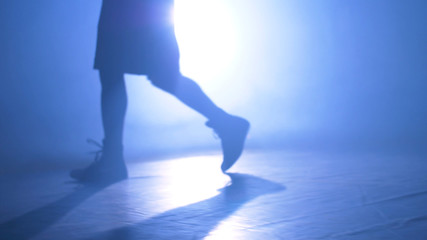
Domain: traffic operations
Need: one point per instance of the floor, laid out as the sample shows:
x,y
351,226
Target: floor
x,y
268,195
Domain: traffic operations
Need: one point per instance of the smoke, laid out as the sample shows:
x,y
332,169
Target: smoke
x,y
307,74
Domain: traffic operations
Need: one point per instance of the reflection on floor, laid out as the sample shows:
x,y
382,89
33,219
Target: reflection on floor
x,y
270,195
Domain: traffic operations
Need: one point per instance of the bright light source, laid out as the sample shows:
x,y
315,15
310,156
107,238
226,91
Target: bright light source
x,y
207,39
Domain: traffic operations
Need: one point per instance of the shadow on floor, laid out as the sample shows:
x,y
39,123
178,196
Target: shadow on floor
x,y
195,221
30,224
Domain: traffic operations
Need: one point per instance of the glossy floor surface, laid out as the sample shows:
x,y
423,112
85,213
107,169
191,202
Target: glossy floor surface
x,y
269,195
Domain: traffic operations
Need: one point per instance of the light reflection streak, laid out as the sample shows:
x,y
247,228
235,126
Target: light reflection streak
x,y
192,179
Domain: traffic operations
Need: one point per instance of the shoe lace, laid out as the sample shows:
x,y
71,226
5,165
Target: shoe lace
x,y
214,132
98,152
215,135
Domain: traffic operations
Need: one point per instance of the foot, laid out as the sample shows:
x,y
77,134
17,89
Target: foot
x,y
101,171
108,168
232,131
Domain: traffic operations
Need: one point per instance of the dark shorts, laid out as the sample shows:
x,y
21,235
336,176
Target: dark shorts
x,y
137,37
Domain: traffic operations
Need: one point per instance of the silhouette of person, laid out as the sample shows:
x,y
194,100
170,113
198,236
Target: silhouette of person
x,y
137,37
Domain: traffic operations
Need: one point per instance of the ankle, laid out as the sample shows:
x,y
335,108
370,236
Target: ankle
x,y
112,148
218,116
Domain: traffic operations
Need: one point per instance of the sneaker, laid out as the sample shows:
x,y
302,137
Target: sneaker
x,y
232,131
106,168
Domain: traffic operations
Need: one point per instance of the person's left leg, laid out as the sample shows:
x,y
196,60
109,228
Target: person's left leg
x,y
113,108
109,166
232,130
192,95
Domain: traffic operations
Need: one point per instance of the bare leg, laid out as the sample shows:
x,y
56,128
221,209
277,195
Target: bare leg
x,y
231,129
190,93
110,167
113,107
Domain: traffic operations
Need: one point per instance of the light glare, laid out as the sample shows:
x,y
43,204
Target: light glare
x,y
204,29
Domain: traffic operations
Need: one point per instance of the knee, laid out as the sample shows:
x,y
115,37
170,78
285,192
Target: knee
x,y
111,79
168,83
